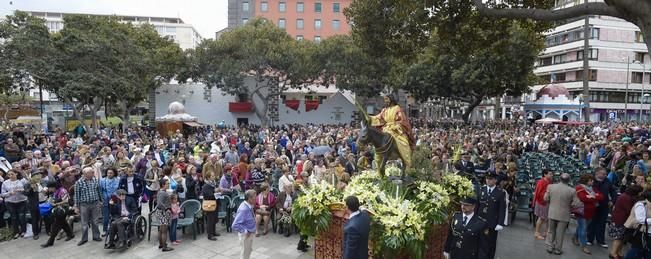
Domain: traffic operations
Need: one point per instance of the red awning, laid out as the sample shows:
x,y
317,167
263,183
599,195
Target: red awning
x,y
311,105
292,104
240,106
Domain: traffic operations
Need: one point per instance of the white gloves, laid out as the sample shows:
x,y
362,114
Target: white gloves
x,y
446,255
498,227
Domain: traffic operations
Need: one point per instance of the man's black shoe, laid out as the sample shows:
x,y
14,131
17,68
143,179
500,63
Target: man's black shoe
x,y
212,238
70,238
46,245
167,249
82,242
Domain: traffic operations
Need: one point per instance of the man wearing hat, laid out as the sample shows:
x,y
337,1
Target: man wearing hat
x,y
123,208
492,208
465,167
467,233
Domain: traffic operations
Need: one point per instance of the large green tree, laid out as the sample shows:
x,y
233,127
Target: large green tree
x,y
251,61
446,49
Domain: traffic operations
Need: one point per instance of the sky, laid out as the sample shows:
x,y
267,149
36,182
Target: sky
x,y
207,16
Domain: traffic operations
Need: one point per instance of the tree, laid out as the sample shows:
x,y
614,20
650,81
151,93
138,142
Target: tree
x,y
348,66
25,56
491,63
634,11
259,52
446,49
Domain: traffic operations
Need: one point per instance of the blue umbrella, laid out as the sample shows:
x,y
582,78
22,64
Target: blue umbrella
x,y
321,150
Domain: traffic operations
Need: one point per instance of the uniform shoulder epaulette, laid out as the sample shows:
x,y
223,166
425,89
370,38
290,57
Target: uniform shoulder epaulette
x,y
482,219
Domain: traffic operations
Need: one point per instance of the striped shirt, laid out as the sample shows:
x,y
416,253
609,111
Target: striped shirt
x,y
87,191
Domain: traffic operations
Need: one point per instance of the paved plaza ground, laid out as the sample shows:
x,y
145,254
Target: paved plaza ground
x,y
515,242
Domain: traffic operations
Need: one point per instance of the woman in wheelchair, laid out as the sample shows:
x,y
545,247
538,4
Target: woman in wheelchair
x,y
124,210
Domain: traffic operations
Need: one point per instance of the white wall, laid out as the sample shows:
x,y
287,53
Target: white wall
x,y
217,109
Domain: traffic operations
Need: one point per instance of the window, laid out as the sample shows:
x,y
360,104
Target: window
x,y
317,7
299,24
317,24
595,33
560,59
321,98
300,7
245,20
579,75
299,37
282,7
245,6
592,55
335,8
636,77
264,6
170,29
335,24
639,37
317,39
281,23
558,77
545,61
639,56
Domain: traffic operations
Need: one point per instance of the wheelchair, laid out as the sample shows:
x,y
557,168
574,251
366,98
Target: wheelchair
x,y
135,230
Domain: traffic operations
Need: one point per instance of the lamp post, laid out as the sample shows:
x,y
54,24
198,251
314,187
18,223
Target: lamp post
x,y
646,97
628,68
642,94
580,107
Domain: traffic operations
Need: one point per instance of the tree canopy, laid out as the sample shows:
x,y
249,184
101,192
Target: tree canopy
x,y
446,49
258,51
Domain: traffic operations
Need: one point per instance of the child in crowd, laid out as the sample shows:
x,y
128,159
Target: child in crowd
x,y
176,211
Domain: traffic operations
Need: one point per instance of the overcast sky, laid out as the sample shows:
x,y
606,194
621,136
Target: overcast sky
x,y
207,16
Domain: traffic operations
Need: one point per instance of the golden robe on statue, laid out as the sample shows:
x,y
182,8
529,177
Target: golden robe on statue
x,y
392,120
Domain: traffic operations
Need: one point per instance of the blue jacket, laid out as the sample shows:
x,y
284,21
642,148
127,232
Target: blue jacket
x,y
356,233
108,187
138,185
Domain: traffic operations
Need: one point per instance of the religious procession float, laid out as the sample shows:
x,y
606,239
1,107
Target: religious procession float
x,y
407,220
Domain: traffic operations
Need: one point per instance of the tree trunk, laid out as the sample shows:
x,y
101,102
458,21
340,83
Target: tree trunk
x,y
261,112
125,120
471,106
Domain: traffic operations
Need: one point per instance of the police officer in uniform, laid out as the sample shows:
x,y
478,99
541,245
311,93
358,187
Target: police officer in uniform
x,y
467,234
492,208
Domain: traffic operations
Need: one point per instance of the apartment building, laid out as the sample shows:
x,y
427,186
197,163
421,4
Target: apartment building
x,y
182,33
302,19
619,66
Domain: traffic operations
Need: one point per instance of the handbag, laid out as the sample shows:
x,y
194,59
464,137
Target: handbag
x,y
209,205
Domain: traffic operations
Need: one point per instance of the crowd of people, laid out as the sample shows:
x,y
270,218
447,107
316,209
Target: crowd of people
x,y
111,174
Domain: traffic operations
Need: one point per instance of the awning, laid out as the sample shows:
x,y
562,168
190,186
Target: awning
x,y
193,124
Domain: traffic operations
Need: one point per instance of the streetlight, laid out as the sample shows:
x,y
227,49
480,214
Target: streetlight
x,y
642,94
646,97
580,107
628,71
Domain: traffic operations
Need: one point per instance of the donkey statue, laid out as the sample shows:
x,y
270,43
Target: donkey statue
x,y
386,147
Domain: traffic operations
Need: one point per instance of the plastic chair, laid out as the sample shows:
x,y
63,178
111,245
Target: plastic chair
x,y
224,211
190,209
152,220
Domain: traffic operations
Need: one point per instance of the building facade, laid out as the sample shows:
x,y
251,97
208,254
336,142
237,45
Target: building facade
x,y
619,66
302,19
174,28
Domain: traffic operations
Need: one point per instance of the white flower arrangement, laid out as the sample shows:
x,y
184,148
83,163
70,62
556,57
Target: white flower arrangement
x,y
458,186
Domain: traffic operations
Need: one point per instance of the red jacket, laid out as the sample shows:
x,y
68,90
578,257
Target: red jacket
x,y
541,188
589,204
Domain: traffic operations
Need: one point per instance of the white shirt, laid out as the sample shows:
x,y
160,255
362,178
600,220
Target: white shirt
x,y
354,214
490,189
640,215
468,217
288,202
130,189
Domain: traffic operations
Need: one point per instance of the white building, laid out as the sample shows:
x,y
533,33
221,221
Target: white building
x,y
618,59
211,106
182,33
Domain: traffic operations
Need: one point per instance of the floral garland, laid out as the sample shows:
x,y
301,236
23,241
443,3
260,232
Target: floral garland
x,y
311,211
432,200
401,225
458,186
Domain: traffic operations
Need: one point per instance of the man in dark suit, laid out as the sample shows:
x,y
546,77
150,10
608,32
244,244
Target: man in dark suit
x,y
356,231
492,208
123,208
465,167
467,234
